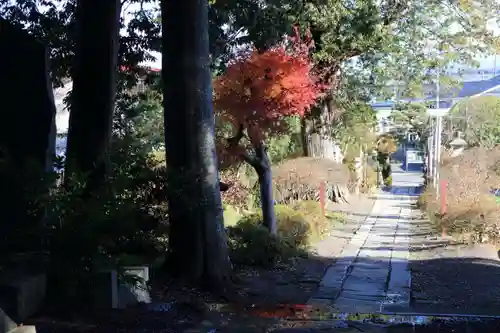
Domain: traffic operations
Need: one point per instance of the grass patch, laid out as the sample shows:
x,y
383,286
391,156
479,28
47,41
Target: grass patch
x,y
336,217
298,227
231,216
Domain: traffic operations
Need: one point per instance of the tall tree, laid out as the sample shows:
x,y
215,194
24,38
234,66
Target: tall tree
x,y
198,248
354,129
94,86
479,119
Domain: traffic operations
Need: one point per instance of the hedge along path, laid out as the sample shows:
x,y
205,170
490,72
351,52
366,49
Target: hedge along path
x,y
300,179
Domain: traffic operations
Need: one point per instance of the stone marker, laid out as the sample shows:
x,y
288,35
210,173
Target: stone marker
x,y
109,292
27,141
27,114
24,329
7,325
22,294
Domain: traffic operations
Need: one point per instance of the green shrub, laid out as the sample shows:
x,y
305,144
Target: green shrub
x,y
313,215
371,179
84,234
292,227
386,171
252,244
422,200
336,217
388,181
231,215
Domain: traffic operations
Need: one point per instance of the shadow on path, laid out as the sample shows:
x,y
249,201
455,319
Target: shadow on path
x,y
465,286
413,190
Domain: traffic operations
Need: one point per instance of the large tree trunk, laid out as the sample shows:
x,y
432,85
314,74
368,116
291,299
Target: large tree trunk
x,y
316,132
94,87
198,247
305,130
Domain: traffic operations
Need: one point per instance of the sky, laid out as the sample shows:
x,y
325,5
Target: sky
x,y
62,121
487,62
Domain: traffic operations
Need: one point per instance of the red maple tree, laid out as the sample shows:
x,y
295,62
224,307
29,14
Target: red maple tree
x,y
256,94
260,89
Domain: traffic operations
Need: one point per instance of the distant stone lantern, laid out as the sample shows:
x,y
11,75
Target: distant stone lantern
x,y
457,145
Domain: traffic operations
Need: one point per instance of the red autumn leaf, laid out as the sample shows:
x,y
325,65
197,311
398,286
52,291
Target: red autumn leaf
x,y
260,89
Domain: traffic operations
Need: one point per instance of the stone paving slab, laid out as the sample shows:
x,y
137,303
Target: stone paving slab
x,y
372,273
374,296
355,305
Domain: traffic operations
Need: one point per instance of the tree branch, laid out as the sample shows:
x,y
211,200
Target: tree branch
x,y
235,140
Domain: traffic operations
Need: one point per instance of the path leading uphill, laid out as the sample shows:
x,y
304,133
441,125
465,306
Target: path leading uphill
x,y
372,275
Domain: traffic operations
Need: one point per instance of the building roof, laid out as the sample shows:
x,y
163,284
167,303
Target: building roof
x,y
472,88
465,90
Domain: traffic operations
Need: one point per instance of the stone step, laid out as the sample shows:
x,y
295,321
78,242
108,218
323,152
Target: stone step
x,y
24,329
7,325
21,295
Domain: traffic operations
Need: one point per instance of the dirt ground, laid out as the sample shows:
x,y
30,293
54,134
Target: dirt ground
x,y
447,277
452,277
295,283
263,296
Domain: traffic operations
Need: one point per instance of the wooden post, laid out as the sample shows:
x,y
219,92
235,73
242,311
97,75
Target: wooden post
x,y
443,186
322,197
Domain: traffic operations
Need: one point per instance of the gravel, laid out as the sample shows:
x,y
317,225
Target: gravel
x,y
453,278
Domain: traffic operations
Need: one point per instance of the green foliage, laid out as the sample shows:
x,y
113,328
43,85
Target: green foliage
x,y
286,145
410,117
390,42
386,170
298,226
292,226
371,179
125,218
140,116
320,225
84,233
388,180
231,215
409,114
354,128
252,244
479,120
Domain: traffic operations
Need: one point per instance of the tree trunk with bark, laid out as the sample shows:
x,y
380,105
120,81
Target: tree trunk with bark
x,y
198,248
94,88
319,122
262,166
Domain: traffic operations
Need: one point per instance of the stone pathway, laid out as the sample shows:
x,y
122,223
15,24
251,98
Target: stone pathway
x,y
371,274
